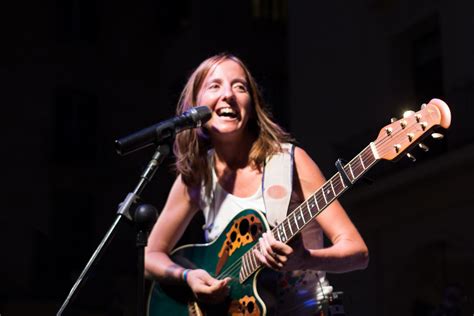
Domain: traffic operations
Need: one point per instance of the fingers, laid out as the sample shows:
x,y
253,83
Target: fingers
x,y
272,253
277,246
269,256
208,289
211,285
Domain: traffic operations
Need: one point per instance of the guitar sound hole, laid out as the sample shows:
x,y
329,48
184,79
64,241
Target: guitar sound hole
x,y
250,307
244,226
233,236
253,229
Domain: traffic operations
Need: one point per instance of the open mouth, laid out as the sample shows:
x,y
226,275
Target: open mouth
x,y
227,112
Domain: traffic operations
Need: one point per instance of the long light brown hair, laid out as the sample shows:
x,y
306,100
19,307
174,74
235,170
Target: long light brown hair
x,y
191,146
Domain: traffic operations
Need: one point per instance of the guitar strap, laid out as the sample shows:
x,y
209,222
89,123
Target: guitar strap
x,y
277,184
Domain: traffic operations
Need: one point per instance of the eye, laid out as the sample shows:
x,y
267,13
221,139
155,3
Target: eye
x,y
240,87
213,86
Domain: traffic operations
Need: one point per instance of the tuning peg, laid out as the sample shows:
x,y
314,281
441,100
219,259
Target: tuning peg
x,y
408,113
403,123
423,147
412,158
437,136
393,120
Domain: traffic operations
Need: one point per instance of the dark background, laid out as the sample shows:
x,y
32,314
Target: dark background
x,y
77,74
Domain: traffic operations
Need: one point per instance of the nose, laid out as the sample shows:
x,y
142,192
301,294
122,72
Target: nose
x,y
228,93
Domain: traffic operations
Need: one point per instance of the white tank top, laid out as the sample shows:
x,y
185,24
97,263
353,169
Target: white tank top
x,y
225,206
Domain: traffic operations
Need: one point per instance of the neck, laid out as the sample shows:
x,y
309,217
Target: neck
x,y
233,154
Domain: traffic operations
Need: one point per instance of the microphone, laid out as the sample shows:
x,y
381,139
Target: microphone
x,y
155,134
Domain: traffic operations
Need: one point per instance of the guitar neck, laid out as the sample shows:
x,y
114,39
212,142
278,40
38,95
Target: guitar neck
x,y
314,205
325,195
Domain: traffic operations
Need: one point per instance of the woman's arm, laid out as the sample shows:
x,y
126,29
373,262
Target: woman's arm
x,y
179,209
170,226
348,250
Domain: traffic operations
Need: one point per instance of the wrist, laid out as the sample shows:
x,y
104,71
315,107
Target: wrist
x,y
184,275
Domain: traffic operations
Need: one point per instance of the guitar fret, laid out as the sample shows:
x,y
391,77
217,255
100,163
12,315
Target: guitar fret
x,y
296,221
294,224
340,180
277,235
289,225
308,206
340,183
350,169
324,196
302,215
281,231
328,193
306,213
332,187
312,204
319,199
254,263
362,161
347,170
316,201
244,267
357,168
370,158
249,262
254,260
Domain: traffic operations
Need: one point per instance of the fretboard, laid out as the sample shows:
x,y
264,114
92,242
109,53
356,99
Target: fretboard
x,y
312,207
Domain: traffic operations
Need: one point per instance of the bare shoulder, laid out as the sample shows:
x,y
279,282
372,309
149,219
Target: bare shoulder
x,y
307,171
183,195
178,211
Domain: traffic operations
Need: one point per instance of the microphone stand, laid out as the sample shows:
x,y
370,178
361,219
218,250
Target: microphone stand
x,y
124,211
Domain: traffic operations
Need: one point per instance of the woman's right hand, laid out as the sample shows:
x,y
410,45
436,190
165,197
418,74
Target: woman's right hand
x,y
206,288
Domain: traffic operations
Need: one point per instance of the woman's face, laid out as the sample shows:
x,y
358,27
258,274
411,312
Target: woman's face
x,y
225,91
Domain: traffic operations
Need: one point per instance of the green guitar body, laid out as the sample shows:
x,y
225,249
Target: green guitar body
x,y
222,256
265,292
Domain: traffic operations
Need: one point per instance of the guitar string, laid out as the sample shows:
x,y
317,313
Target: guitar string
x,y
380,144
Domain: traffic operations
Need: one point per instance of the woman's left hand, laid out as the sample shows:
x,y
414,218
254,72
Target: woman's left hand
x,y
279,256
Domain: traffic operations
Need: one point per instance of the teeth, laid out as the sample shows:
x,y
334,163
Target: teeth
x,y
226,111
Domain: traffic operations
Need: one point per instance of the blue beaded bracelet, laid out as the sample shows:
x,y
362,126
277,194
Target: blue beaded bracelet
x,y
185,275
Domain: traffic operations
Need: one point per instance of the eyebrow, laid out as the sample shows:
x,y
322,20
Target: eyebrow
x,y
219,80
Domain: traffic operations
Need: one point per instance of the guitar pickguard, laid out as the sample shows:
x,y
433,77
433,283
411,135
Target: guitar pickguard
x,y
244,230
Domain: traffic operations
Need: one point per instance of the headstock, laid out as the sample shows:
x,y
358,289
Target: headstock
x,y
401,135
